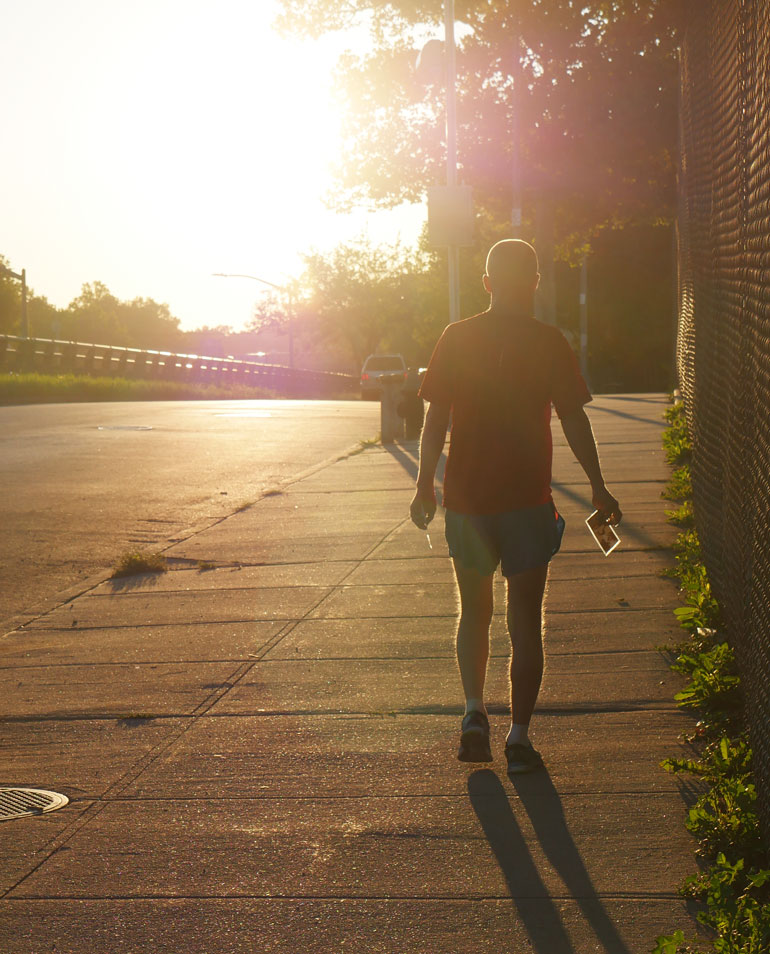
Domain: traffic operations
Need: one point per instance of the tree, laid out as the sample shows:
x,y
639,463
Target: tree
x,y
597,107
96,315
149,324
10,301
42,316
270,312
368,298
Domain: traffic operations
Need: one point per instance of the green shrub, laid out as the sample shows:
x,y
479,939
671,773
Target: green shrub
x,y
734,888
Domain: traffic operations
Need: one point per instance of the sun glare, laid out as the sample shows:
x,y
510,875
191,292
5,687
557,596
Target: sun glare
x,y
164,140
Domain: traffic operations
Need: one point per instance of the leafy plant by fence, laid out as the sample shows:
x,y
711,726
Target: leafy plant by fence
x,y
723,351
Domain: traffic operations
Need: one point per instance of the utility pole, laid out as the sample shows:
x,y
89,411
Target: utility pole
x,y
453,252
516,152
584,316
21,277
450,207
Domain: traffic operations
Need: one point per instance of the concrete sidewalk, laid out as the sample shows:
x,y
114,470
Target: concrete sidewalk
x,y
260,757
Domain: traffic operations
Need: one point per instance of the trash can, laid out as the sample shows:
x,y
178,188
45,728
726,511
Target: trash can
x,y
411,406
391,422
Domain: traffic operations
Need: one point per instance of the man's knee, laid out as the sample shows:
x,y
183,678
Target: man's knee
x,y
477,606
527,589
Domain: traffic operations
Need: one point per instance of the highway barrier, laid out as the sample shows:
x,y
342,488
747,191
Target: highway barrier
x,y
46,356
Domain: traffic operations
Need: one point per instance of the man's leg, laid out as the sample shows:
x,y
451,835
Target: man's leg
x,y
525,617
473,633
472,656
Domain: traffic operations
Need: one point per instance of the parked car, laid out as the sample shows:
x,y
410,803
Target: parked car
x,y
374,367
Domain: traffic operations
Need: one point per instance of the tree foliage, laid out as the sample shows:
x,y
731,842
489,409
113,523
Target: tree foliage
x,y
369,298
96,315
597,104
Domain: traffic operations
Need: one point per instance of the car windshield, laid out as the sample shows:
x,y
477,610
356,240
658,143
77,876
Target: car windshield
x,y
385,362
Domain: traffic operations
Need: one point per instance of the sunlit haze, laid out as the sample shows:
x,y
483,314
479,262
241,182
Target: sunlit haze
x,y
147,145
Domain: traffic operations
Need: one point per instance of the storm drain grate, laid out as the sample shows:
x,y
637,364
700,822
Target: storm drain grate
x,y
18,802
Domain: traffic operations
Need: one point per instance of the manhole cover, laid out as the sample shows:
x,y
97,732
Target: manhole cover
x,y
18,802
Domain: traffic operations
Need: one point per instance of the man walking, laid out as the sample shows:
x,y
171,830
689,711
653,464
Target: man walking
x,y
497,374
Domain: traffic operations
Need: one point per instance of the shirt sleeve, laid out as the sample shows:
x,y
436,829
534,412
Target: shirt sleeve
x,y
569,390
437,384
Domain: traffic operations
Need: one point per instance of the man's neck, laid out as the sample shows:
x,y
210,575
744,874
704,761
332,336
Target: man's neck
x,y
515,308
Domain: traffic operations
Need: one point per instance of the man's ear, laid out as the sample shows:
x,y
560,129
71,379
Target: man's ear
x,y
487,286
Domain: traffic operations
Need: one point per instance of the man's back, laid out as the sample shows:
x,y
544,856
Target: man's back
x,y
500,373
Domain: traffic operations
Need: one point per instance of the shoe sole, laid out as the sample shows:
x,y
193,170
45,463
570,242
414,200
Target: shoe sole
x,y
474,747
521,768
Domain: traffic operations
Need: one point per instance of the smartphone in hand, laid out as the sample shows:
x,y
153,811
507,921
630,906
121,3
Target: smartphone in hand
x,y
603,532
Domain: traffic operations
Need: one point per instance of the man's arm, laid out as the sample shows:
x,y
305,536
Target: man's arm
x,y
423,505
580,437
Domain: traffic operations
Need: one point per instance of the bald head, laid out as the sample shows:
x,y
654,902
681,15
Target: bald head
x,y
511,272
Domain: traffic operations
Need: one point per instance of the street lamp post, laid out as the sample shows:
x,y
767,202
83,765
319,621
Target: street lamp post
x,y
281,288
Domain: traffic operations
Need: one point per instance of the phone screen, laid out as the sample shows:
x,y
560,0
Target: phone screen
x,y
602,532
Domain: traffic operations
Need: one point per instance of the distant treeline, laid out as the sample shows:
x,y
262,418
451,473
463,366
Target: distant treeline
x,y
360,299
96,315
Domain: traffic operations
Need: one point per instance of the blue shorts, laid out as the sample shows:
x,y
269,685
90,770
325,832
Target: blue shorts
x,y
518,539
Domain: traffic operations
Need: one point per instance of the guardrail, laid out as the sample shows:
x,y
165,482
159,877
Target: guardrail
x,y
74,357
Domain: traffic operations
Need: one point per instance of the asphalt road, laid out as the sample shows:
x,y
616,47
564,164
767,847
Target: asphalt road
x,y
80,484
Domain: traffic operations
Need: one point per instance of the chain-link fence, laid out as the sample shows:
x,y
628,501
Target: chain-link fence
x,y
723,349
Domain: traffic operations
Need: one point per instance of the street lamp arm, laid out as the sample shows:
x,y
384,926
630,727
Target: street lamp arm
x,y
254,278
280,288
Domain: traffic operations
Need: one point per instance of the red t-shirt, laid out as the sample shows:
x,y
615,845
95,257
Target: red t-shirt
x,y
500,373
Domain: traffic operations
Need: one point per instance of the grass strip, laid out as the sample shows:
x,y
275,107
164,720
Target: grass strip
x,y
733,887
33,388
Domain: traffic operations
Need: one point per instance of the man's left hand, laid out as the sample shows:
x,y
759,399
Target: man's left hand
x,y
607,505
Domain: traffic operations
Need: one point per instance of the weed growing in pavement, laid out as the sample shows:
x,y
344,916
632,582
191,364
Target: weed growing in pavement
x,y
683,516
680,485
132,564
363,444
734,888
676,438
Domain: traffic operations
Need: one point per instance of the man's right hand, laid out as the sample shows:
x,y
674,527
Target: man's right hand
x,y
423,509
607,505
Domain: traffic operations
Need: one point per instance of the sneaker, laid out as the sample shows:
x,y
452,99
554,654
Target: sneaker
x,y
474,741
522,758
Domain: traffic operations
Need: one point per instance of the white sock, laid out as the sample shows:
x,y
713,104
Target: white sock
x,y
475,705
518,735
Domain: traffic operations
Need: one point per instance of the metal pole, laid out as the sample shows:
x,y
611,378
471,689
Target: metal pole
x,y
453,253
290,322
584,317
24,322
515,101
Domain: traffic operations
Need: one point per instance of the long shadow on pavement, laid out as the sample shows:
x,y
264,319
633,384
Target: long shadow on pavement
x,y
408,456
543,805
492,806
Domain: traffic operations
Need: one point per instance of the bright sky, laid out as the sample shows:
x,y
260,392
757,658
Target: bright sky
x,y
148,144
